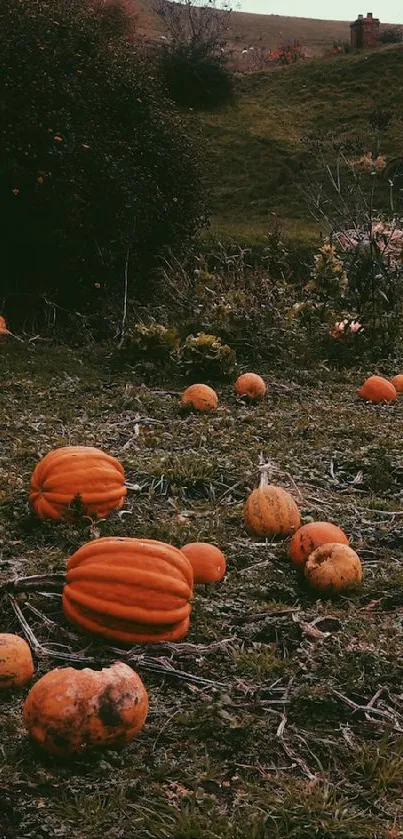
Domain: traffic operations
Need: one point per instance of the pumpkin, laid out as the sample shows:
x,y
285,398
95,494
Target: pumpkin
x,y
129,590
377,389
207,561
270,510
3,327
66,473
333,567
397,383
250,385
199,397
69,710
310,536
16,665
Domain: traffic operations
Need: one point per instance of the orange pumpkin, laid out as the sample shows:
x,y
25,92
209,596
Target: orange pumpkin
x,y
3,327
199,397
310,536
16,665
270,510
69,710
250,385
333,568
397,383
129,590
66,473
207,561
377,389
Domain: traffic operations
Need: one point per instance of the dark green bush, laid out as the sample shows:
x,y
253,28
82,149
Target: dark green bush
x,y
195,76
96,171
391,35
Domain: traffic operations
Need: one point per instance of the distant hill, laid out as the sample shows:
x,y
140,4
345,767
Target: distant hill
x,y
266,31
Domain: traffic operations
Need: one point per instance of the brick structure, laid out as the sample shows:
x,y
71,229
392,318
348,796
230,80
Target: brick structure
x,y
364,32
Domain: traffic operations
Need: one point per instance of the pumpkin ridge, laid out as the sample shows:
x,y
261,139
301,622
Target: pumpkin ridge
x,y
135,614
56,457
137,634
144,578
109,544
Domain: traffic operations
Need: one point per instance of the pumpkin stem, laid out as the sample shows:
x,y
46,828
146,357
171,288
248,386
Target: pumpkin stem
x,y
265,470
38,582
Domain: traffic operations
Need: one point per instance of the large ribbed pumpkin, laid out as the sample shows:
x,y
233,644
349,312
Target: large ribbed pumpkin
x,y
129,590
270,510
70,472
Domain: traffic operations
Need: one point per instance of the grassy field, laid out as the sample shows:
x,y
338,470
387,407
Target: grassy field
x,y
255,148
288,724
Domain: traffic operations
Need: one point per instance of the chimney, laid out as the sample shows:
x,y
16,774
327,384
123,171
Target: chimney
x,y
369,14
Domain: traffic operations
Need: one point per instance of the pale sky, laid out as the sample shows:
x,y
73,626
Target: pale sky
x,y
388,11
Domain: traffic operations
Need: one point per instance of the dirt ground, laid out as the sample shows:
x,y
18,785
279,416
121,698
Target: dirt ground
x,y
280,714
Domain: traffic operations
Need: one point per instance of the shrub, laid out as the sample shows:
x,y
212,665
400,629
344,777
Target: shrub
x,y
193,61
98,174
194,77
205,355
391,35
155,342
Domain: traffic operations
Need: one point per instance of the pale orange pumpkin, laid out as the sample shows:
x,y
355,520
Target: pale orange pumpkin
x,y
250,385
377,389
68,711
71,472
397,383
308,537
16,665
199,397
207,561
129,590
332,568
270,510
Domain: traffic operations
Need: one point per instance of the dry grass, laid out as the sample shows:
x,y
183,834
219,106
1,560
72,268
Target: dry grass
x,y
295,733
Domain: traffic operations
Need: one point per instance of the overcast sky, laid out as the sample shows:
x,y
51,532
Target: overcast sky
x,y
389,11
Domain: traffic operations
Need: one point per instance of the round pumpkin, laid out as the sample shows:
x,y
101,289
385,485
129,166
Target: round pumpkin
x,y
332,568
207,561
199,397
270,510
68,711
3,327
397,383
250,385
377,389
308,537
129,590
70,472
16,665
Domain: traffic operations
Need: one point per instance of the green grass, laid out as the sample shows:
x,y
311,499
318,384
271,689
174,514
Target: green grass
x,y
254,147
271,748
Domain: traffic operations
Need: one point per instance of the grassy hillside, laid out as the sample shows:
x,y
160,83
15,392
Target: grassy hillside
x,y
254,146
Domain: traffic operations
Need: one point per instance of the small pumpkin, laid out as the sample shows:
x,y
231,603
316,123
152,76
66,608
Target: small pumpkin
x,y
332,568
68,711
377,389
3,327
199,397
397,383
308,537
16,665
207,561
270,510
64,474
250,385
129,590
